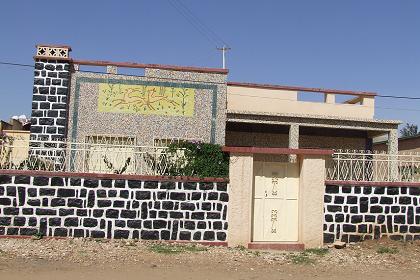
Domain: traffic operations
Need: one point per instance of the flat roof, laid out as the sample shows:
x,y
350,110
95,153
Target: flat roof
x,y
297,88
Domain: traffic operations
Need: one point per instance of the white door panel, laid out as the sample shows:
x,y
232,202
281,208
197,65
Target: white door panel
x,y
276,191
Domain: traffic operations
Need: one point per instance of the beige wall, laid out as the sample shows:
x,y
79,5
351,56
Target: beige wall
x,y
240,199
311,199
282,101
20,145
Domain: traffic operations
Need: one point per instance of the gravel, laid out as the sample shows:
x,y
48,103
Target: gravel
x,y
114,253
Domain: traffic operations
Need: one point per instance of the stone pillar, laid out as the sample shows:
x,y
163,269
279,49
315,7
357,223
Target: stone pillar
x,y
240,199
311,201
50,94
50,106
293,140
393,152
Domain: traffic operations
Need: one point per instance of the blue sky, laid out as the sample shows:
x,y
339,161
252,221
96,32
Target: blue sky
x,y
356,45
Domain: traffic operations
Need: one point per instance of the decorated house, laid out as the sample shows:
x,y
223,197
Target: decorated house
x,y
292,183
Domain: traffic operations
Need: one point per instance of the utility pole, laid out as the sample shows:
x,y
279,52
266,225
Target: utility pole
x,y
224,50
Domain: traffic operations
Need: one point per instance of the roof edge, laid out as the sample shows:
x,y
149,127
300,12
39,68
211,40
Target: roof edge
x,y
297,88
153,66
323,117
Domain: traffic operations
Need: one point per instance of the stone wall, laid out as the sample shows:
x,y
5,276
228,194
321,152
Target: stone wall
x,y
113,208
355,213
49,101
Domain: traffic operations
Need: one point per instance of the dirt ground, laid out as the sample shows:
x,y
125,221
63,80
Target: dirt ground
x,y
103,259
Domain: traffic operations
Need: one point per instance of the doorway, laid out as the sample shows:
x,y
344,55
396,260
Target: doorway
x,y
276,207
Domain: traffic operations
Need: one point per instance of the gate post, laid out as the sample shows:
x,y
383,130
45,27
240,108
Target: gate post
x,y
311,200
240,199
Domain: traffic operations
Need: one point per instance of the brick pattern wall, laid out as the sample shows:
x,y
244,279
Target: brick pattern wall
x,y
107,208
355,213
49,101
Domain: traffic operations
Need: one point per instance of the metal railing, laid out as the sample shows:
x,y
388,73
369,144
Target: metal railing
x,y
373,166
85,157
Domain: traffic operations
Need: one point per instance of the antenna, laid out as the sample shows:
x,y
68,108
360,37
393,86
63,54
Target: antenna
x,y
224,50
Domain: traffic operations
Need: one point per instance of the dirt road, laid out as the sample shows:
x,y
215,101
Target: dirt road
x,y
89,259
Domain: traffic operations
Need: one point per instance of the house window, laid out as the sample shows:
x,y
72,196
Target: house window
x,y
110,154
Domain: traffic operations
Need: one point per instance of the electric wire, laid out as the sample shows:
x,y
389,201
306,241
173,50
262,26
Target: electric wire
x,y
193,23
254,96
215,36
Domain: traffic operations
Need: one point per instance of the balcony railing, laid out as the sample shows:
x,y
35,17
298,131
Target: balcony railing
x,y
373,166
85,157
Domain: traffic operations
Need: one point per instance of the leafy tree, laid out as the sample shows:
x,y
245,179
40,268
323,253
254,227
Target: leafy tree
x,y
409,130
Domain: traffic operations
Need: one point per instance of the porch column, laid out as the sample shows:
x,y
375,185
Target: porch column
x,y
293,140
311,200
240,199
393,152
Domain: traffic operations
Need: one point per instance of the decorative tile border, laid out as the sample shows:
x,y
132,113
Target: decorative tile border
x,y
80,80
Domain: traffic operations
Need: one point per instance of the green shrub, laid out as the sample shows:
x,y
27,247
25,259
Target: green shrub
x,y
198,159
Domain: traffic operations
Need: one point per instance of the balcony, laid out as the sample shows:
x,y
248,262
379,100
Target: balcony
x,y
273,99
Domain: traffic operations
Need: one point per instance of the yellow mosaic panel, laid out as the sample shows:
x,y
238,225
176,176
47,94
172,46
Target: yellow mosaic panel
x,y
146,100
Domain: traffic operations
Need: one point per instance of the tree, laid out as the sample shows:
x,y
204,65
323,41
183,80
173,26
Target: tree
x,y
409,130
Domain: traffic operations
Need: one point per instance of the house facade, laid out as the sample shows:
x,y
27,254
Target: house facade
x,y
280,146
16,131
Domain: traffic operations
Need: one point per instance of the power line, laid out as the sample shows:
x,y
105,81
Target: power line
x,y
193,22
16,64
210,31
399,97
201,27
130,75
99,72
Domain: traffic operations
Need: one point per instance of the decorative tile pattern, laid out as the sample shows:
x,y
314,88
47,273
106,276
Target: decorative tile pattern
x,y
207,123
146,100
53,52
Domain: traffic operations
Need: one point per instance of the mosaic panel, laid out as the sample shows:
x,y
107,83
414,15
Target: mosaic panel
x,y
146,99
